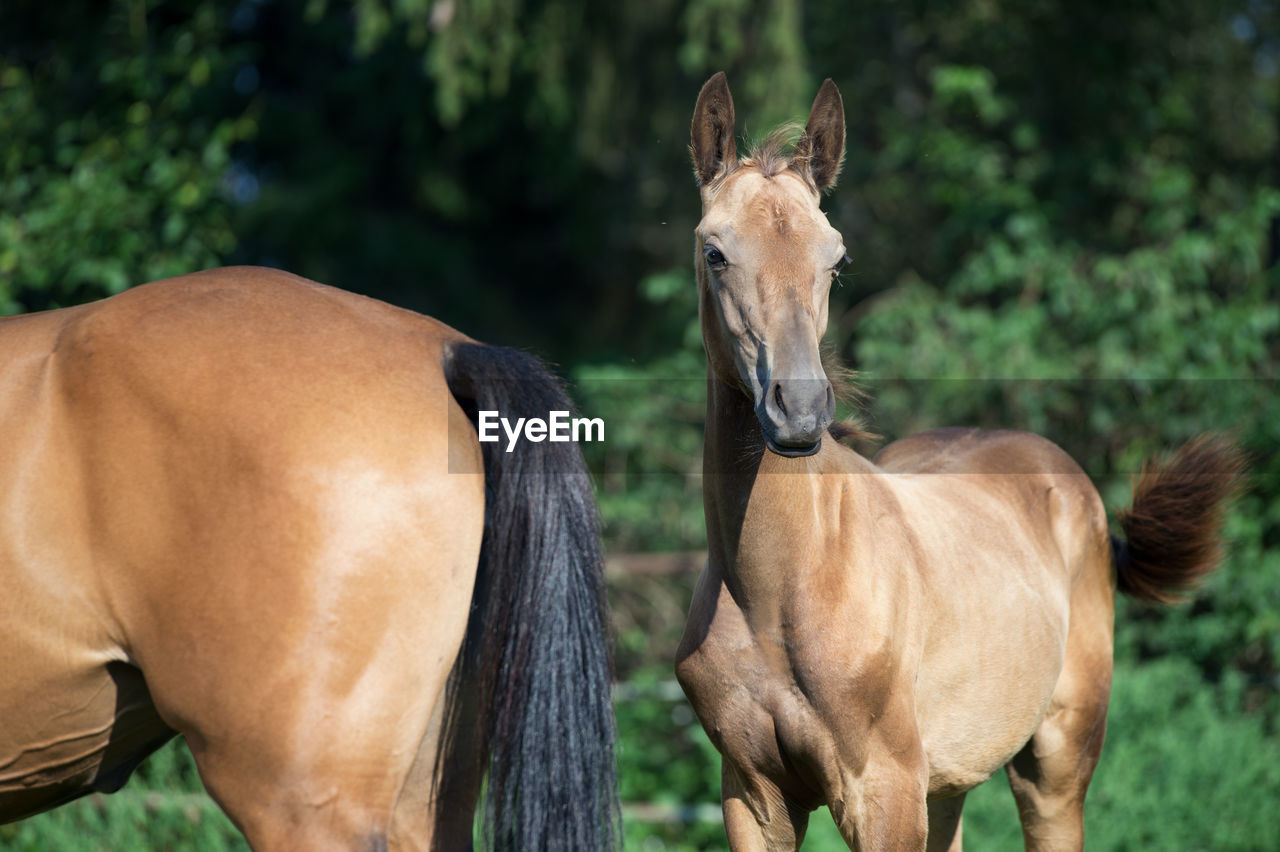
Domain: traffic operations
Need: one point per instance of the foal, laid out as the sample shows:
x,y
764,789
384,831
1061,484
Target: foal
x,y
882,636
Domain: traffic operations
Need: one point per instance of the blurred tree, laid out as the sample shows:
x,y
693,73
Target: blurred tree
x,y
113,162
425,151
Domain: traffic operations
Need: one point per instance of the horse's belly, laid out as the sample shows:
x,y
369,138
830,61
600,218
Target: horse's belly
x,y
67,728
963,754
978,707
74,715
52,739
994,639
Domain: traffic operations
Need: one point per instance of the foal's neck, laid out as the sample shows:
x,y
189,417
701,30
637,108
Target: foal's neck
x,y
770,519
751,498
733,448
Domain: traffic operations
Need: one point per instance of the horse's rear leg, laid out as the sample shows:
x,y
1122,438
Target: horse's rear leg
x,y
1051,774
452,796
326,783
334,746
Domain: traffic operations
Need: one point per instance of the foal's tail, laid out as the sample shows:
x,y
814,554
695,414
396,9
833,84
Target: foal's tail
x,y
1172,530
536,651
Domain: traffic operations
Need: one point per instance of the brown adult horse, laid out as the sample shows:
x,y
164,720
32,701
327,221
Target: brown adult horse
x,y
882,636
251,509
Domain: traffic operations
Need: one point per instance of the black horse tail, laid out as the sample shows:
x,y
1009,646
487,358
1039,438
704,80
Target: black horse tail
x,y
531,687
1172,530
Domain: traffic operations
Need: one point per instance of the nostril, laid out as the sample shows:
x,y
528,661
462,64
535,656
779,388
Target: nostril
x,y
777,399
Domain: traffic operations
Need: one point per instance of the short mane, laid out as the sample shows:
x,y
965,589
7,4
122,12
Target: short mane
x,y
774,153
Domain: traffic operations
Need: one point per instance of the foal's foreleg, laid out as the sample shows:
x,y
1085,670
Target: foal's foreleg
x,y
758,816
881,807
884,811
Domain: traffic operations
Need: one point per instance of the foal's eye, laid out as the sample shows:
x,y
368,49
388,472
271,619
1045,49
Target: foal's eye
x,y
839,266
715,259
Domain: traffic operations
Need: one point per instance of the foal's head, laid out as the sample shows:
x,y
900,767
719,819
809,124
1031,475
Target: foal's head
x,y
766,259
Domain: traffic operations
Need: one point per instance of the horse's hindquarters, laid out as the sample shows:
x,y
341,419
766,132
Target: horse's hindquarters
x,y
243,485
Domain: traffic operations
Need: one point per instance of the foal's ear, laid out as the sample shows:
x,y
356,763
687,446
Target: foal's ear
x,y
821,148
711,136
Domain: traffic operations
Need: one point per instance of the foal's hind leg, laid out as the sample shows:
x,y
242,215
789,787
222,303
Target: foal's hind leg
x,y
945,824
1050,775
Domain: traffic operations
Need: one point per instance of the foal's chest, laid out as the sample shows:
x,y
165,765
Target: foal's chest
x,y
781,703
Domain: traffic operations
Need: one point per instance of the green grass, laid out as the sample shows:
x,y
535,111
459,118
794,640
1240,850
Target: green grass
x,y
1184,768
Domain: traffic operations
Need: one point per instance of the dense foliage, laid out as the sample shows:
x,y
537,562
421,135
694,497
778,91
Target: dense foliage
x,y
1062,217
